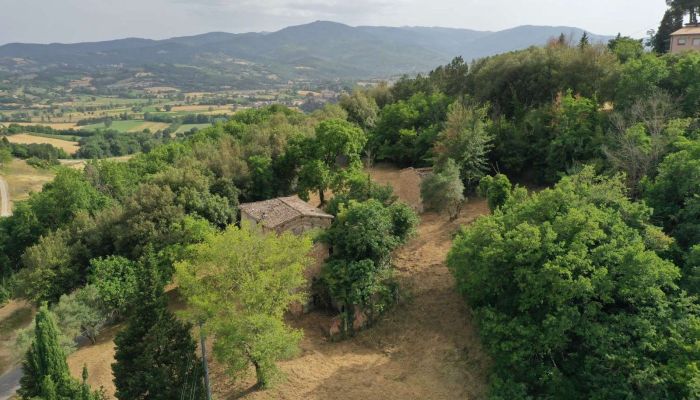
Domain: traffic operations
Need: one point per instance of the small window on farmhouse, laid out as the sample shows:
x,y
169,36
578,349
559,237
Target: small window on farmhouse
x,y
682,42
696,41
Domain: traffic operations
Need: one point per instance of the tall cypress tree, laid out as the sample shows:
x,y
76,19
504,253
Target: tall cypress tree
x,y
45,371
671,22
45,368
155,356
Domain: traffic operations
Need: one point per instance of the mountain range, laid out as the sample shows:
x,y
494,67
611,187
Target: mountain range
x,y
312,52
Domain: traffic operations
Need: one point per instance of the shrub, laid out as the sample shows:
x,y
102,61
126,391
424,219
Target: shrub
x,y
444,190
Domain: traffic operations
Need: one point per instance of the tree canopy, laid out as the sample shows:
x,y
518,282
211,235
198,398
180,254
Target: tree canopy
x,y
242,295
572,299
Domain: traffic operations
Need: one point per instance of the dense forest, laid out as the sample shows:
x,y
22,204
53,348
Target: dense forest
x,y
583,280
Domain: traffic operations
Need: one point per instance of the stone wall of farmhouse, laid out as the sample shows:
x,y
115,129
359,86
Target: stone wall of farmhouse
x,y
303,224
245,217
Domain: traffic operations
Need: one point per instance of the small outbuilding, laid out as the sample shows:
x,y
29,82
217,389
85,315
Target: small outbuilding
x,y
285,214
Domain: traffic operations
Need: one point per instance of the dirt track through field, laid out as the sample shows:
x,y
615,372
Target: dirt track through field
x,y
5,210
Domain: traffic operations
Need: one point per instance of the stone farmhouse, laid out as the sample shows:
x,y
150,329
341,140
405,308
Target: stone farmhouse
x,y
285,214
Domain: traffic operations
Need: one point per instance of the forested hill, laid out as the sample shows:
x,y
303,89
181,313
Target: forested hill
x,y
315,51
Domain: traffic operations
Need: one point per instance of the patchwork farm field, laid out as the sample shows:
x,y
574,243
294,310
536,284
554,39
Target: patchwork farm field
x,y
69,147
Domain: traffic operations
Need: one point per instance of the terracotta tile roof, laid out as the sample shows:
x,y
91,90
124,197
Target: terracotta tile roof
x,y
687,30
275,212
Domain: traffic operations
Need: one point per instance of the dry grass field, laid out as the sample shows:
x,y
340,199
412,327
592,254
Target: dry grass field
x,y
23,138
22,179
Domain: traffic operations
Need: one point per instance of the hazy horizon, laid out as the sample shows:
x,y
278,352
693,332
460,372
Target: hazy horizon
x,y
46,21
271,31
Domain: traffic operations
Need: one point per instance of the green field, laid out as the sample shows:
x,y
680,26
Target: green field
x,y
187,127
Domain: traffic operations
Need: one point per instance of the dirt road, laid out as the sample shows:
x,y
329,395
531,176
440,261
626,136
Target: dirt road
x,y
9,382
5,210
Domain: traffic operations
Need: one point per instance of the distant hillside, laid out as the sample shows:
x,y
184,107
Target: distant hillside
x,y
311,52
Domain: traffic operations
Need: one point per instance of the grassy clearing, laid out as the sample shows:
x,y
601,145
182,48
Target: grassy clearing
x,y
25,138
23,179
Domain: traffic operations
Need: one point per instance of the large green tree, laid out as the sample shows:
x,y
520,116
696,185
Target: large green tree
x,y
572,299
359,277
242,295
675,197
336,146
689,7
82,313
361,107
577,134
466,140
116,281
671,22
407,129
61,200
626,48
5,156
497,189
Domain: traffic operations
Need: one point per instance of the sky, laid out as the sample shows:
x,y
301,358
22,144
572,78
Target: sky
x,y
67,21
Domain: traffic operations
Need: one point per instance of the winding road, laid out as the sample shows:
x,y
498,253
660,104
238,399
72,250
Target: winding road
x,y
5,210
